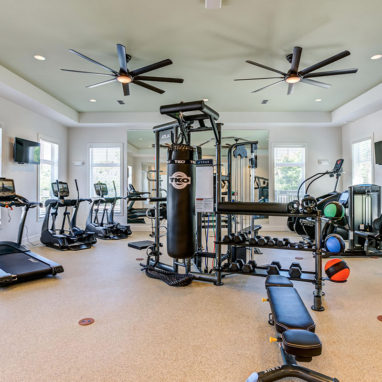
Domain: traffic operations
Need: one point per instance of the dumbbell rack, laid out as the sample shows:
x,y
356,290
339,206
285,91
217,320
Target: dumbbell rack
x,y
312,277
246,244
263,271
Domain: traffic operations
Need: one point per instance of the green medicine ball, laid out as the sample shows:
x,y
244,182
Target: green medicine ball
x,y
334,210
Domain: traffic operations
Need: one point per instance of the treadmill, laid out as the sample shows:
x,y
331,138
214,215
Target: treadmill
x,y
17,263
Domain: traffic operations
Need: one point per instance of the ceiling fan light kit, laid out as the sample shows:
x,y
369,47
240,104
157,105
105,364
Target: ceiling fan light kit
x,y
293,76
124,76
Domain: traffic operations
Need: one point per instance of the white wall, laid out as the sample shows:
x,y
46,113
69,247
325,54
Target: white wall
x,y
19,122
320,142
366,127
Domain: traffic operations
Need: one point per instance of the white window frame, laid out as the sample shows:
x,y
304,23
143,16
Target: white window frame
x,y
273,163
121,171
372,157
41,215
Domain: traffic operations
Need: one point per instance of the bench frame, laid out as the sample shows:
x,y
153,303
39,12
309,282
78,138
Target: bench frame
x,y
289,368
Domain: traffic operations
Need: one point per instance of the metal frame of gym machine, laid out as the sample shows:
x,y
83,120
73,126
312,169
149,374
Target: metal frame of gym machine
x,y
183,124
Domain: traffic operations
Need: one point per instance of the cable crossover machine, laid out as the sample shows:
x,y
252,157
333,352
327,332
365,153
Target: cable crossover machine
x,y
189,175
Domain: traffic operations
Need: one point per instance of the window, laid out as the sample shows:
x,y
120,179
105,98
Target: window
x,y
289,172
105,166
129,175
48,171
362,162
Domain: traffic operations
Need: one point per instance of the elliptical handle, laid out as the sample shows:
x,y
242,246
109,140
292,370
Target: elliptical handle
x,y
78,192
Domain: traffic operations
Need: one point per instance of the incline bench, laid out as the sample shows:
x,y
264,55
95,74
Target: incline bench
x,y
295,328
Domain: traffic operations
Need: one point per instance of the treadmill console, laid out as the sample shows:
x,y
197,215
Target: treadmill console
x,y
60,189
101,189
7,189
338,166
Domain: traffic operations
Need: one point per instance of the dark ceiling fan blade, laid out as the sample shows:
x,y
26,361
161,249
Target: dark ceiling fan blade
x,y
160,79
331,73
328,61
101,83
93,61
274,83
290,89
150,87
81,71
265,67
121,51
126,89
151,67
258,78
296,59
315,83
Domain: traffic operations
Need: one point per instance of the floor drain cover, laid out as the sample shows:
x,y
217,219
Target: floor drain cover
x,y
379,318
139,259
299,258
86,321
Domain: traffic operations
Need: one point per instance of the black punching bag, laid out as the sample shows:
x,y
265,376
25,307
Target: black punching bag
x,y
181,202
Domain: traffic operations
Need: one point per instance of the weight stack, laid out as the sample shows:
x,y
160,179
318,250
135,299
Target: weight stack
x,y
181,202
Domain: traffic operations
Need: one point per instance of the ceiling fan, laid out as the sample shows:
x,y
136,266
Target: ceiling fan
x,y
305,76
124,75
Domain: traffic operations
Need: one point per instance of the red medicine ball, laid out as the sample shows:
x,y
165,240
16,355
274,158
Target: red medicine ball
x,y
337,270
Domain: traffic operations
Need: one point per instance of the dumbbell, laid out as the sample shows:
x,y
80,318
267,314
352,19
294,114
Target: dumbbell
x,y
249,267
229,238
286,242
279,243
225,266
240,238
237,265
274,268
253,241
270,241
295,270
261,240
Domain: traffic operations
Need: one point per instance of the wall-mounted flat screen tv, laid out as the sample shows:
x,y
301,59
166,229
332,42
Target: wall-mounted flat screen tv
x,y
25,151
378,152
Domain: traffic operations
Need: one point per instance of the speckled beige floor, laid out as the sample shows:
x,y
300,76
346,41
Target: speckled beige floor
x,y
145,330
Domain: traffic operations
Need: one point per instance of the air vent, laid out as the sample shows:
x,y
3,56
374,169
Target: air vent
x,y
121,102
264,101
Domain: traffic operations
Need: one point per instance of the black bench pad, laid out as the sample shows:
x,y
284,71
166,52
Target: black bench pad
x,y
301,343
288,310
277,280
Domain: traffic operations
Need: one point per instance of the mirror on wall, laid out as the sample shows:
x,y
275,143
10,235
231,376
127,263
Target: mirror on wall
x,y
248,183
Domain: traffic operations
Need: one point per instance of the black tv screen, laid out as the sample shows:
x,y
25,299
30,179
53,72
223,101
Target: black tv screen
x,y
25,151
378,152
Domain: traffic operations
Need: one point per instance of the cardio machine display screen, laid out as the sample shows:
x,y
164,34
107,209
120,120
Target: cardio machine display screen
x,y
63,190
101,189
338,165
7,188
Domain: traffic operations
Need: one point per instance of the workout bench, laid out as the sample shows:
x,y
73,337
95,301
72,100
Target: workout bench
x,y
295,328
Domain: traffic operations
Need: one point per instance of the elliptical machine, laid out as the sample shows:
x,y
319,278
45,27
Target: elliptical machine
x,y
305,227
69,236
105,227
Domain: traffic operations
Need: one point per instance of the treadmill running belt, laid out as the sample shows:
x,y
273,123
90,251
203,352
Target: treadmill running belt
x,y
22,264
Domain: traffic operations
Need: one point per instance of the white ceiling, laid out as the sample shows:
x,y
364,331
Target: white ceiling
x,y
208,48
